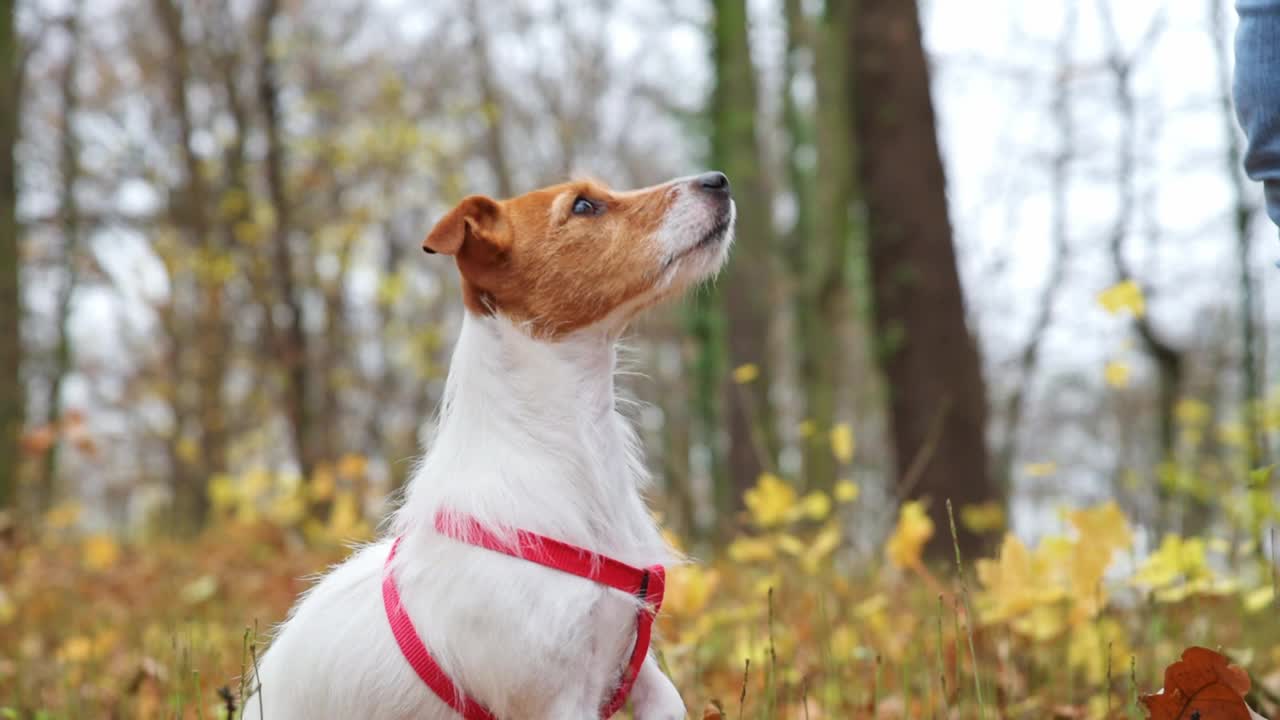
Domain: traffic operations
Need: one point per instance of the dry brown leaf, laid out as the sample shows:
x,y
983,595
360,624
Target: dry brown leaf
x,y
1202,685
712,711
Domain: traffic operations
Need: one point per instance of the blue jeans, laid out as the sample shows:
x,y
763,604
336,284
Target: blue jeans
x,y
1257,94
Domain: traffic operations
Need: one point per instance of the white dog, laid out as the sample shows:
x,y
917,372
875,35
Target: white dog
x,y
530,452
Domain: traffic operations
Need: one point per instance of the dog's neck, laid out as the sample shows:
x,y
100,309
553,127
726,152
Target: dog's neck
x,y
529,436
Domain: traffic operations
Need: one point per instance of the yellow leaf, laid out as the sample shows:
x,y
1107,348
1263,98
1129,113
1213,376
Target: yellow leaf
x,y
762,586
1087,649
770,500
983,517
76,649
842,442
847,491
99,552
1173,568
62,516
8,608
689,588
751,549
1040,469
807,428
323,484
1042,623
104,641
1018,581
746,373
790,544
222,490
344,519
873,605
199,590
247,233
1116,374
233,202
1233,434
187,450
844,641
1254,601
352,466
287,510
909,537
824,543
1191,412
813,506
255,483
1121,297
1102,528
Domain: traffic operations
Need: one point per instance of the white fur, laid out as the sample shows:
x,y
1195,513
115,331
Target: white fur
x,y
529,437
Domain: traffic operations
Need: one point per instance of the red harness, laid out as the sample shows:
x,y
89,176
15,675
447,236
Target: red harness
x,y
647,584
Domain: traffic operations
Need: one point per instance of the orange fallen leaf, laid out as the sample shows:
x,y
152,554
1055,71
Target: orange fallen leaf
x,y
1201,685
38,440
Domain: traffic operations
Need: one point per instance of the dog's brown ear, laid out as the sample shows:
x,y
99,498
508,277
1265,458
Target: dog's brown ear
x,y
477,219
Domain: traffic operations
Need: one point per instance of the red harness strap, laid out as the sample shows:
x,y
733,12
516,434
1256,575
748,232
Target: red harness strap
x,y
647,584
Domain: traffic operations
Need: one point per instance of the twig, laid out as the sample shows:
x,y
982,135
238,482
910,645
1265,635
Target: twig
x,y
964,594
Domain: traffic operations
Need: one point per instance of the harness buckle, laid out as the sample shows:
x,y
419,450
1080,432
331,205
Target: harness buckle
x,y
642,592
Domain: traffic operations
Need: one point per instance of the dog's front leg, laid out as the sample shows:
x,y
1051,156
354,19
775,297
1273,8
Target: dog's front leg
x,y
654,695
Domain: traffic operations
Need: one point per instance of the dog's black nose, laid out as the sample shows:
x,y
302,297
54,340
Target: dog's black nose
x,y
716,182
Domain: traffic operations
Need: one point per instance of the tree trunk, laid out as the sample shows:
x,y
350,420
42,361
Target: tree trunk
x,y
827,281
11,390
937,399
746,288
293,351
191,218
704,323
811,337
69,169
1168,358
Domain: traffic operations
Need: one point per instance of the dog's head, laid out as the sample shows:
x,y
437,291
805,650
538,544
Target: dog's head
x,y
576,255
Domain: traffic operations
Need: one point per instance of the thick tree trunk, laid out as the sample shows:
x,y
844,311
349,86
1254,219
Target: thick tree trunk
x,y
937,399
747,285
11,390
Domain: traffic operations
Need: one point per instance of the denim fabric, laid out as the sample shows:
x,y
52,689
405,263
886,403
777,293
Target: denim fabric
x,y
1257,94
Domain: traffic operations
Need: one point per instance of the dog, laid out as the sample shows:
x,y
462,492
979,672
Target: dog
x,y
458,613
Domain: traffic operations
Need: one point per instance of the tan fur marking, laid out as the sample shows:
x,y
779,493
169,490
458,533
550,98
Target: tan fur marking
x,y
535,261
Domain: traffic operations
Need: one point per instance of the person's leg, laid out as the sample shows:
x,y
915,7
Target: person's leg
x,y
1257,94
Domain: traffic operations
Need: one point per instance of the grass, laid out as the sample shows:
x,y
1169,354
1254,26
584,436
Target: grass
x,y
780,624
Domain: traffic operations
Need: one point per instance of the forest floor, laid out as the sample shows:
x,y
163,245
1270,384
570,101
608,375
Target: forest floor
x,y
782,624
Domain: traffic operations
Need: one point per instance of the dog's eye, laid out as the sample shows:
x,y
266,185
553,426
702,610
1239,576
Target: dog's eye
x,y
583,206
